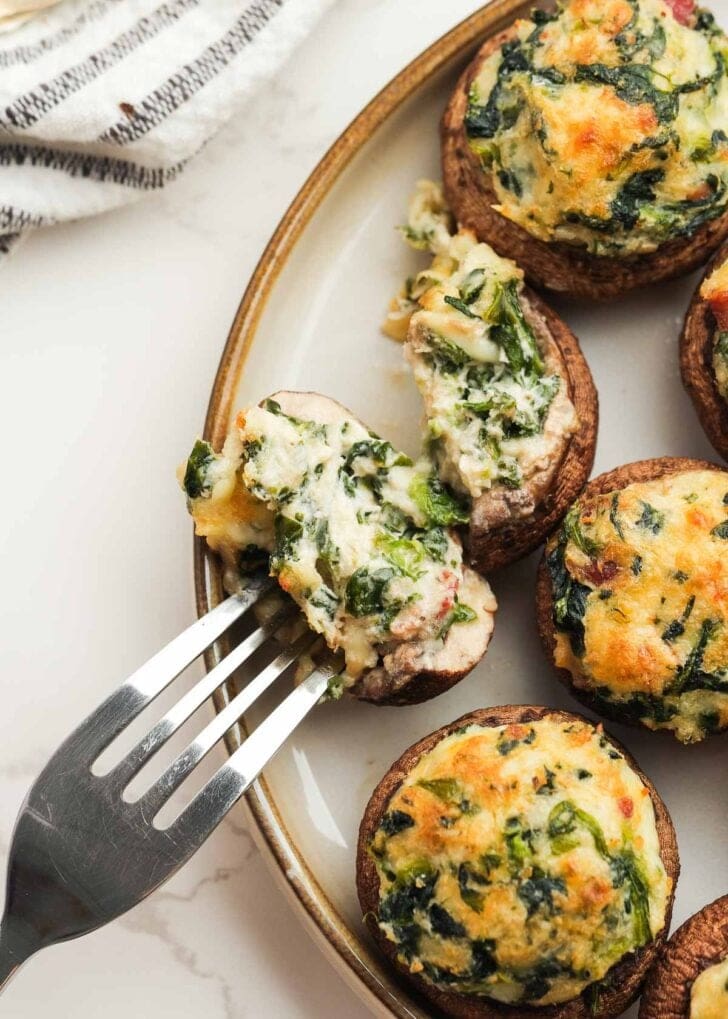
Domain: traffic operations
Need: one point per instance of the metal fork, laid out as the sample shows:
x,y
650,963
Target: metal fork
x,y
81,855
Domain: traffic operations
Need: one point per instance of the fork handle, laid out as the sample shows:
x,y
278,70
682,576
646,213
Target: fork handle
x,y
16,946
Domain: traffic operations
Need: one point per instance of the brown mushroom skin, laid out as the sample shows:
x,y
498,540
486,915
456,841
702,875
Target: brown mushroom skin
x,y
611,481
696,364
554,266
464,650
624,980
701,942
490,549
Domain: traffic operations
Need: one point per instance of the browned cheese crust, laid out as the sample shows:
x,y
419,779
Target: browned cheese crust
x,y
626,977
492,546
696,365
556,266
702,941
611,481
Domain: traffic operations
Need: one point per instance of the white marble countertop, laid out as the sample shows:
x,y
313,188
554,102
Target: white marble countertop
x,y
111,333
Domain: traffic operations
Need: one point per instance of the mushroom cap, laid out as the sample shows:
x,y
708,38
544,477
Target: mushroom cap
x,y
696,364
611,481
701,942
554,265
625,978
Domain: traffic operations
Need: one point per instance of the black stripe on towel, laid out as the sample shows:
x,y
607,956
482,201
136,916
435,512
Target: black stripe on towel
x,y
8,242
97,168
158,105
28,109
16,220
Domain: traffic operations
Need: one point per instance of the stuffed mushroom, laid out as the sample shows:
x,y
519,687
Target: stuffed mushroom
x,y
704,352
589,143
632,597
690,978
356,533
518,862
511,411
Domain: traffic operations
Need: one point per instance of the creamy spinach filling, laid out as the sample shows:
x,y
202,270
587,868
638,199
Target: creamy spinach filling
x,y
476,360
519,863
603,124
480,410
359,534
638,580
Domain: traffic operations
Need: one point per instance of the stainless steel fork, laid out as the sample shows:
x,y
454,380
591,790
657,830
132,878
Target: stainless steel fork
x,y
81,854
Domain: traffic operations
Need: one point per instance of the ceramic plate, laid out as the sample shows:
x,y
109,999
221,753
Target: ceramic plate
x,y
310,320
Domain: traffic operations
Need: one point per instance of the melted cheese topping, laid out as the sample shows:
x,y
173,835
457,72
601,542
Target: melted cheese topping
x,y
640,586
604,125
709,994
520,862
498,409
236,525
355,532
715,291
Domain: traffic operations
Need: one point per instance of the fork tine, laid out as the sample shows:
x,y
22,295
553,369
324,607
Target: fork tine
x,y
104,724
158,794
225,788
165,728
80,856
152,677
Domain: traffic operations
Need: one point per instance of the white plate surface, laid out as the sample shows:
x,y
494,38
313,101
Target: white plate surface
x,y
320,331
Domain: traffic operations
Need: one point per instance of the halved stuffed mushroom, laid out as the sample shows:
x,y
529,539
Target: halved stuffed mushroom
x,y
510,405
356,533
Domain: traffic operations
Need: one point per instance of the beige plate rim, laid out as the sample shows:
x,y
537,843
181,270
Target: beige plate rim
x,y
363,970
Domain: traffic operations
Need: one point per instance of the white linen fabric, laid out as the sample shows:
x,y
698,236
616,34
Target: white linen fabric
x,y
102,101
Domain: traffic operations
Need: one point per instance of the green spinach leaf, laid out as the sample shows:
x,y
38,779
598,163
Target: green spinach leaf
x,y
195,479
436,503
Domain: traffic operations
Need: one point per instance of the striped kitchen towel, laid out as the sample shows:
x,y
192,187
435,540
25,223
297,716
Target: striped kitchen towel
x,y
102,101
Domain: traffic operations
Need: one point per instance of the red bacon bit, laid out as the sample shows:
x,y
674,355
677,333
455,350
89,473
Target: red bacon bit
x,y
626,806
719,307
682,10
599,572
450,582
